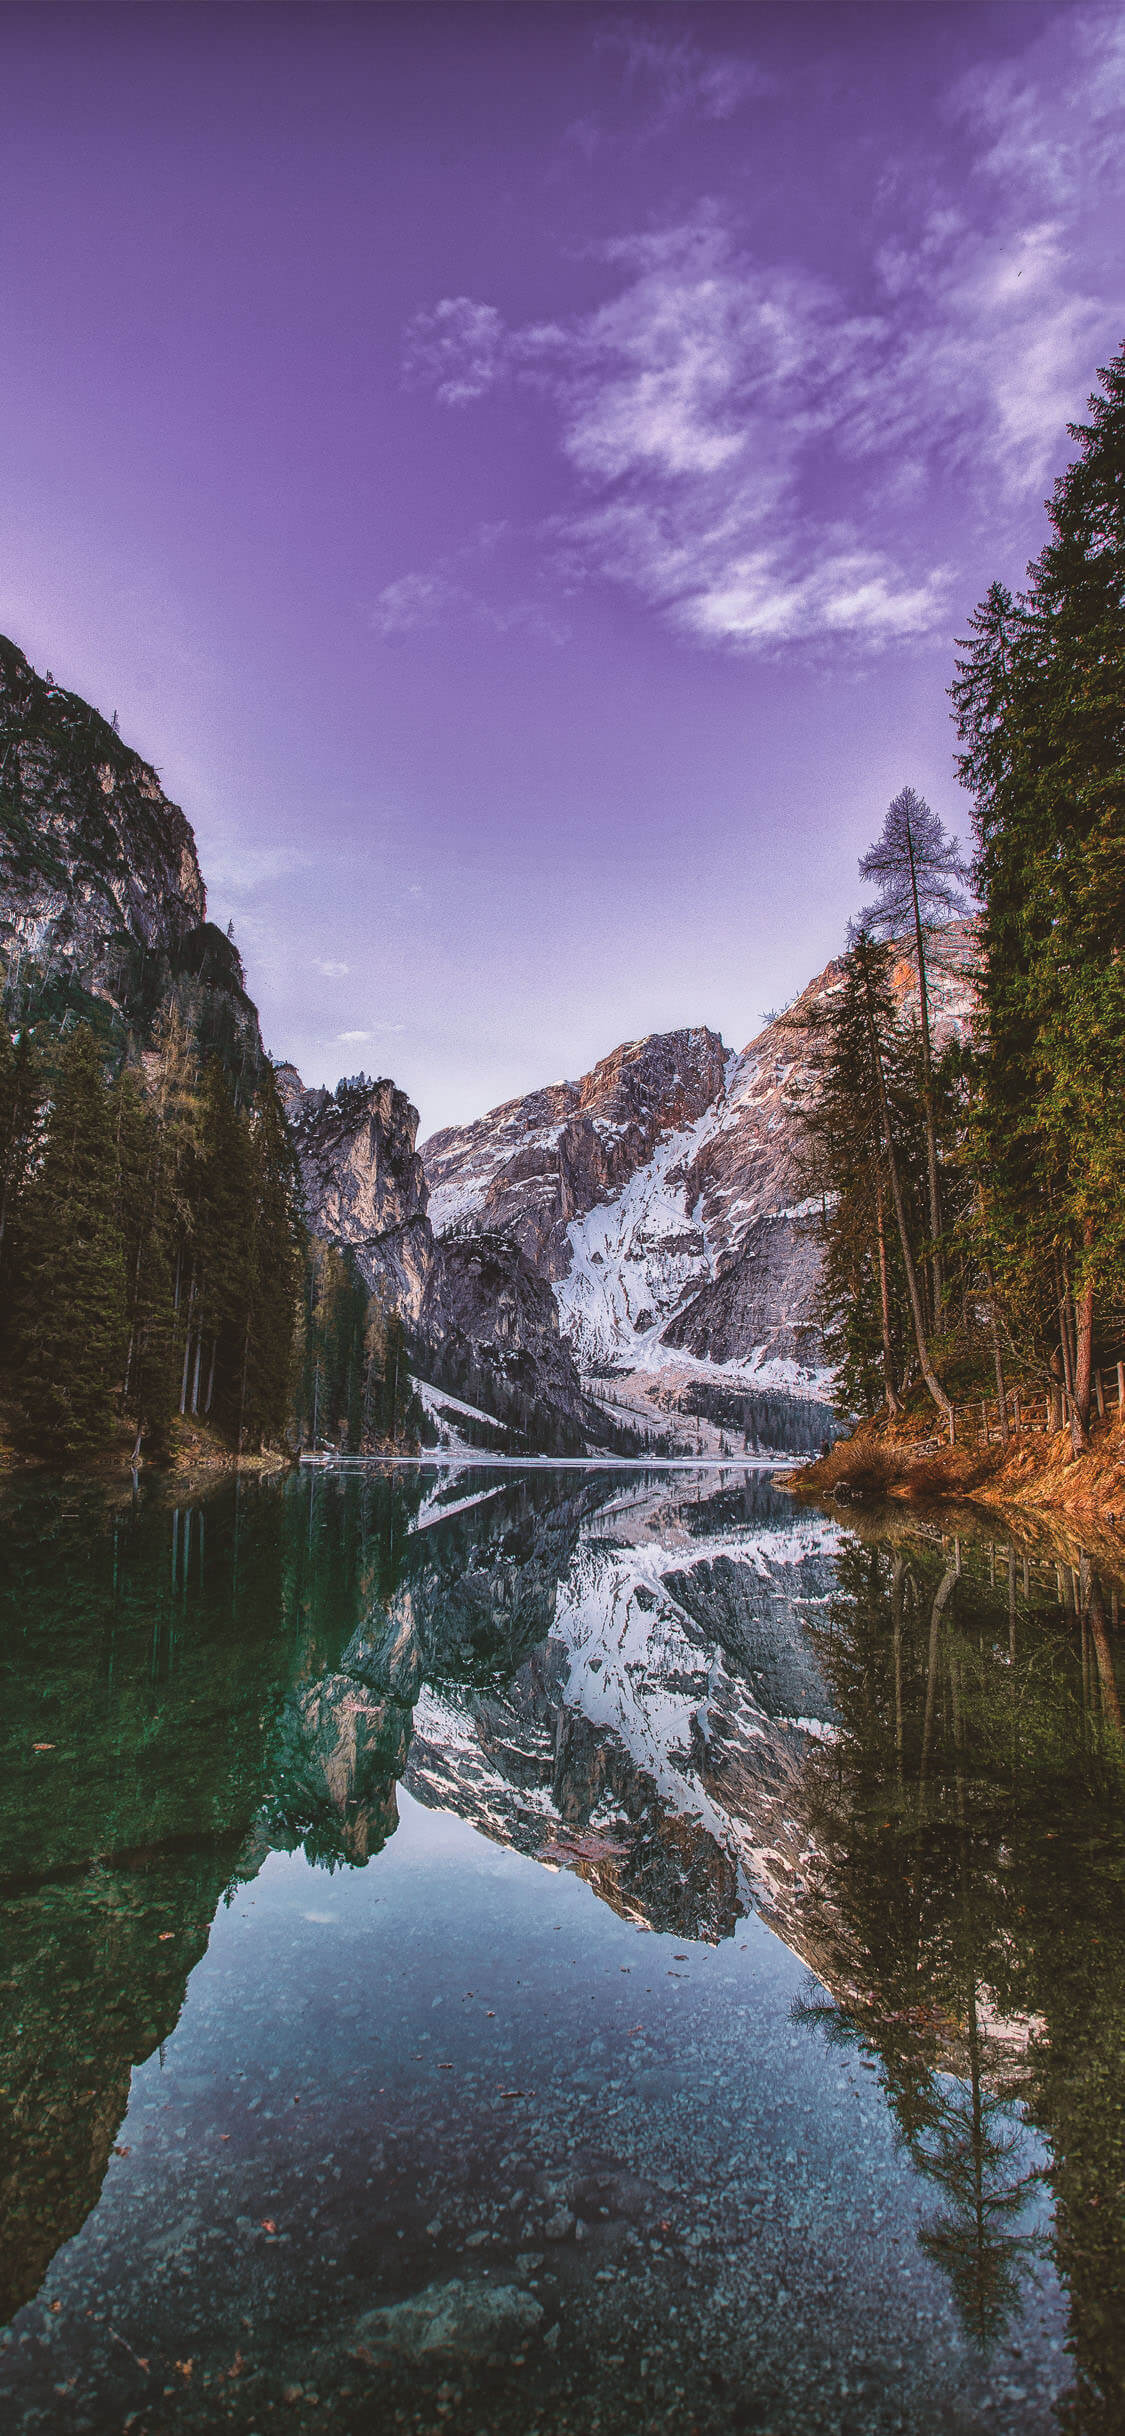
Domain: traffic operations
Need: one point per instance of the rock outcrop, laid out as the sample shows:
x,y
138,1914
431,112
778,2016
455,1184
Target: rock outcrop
x,y
102,904
764,1297
483,1322
492,1325
363,1181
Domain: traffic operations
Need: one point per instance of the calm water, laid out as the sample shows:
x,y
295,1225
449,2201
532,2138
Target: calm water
x,y
555,1953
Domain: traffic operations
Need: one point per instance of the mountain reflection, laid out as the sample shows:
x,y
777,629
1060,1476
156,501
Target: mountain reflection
x,y
905,1752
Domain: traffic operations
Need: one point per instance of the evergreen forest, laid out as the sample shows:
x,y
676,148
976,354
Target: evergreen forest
x,y
971,1210
155,1268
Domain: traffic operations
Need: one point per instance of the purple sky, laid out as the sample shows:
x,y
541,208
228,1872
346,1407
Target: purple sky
x,y
519,471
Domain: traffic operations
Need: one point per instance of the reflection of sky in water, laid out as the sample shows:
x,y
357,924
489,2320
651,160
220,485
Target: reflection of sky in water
x,y
449,2136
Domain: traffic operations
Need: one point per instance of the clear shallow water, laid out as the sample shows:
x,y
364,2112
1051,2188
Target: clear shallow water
x,y
555,1953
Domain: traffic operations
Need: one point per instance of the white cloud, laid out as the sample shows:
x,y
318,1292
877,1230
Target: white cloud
x,y
414,602
680,79
988,349
857,592
356,1040
456,349
238,869
759,453
425,599
332,969
1050,122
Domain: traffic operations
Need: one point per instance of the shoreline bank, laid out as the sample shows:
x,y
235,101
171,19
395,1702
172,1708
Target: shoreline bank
x,y
1034,1477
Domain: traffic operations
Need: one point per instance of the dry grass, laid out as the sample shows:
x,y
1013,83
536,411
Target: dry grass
x,y
1034,1474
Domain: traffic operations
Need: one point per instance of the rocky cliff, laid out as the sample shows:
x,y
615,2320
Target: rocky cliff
x,y
661,1193
483,1321
102,905
363,1181
103,914
491,1326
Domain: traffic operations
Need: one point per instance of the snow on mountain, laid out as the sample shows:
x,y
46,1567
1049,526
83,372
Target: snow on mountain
x,y
532,1166
635,1259
662,1193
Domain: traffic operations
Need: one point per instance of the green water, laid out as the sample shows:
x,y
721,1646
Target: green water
x,y
555,1952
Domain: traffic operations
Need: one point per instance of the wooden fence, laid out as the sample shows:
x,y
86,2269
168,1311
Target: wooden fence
x,y
1030,1409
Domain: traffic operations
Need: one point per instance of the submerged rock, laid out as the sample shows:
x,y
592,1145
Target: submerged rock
x,y
466,2320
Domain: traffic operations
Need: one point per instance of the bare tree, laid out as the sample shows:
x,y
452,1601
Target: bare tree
x,y
921,879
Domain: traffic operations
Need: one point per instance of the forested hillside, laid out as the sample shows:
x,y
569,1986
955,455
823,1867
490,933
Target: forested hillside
x,y
152,1244
155,1274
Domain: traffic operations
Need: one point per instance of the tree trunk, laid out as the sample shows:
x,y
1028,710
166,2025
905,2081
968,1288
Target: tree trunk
x,y
1111,1697
925,1365
1083,1362
885,1302
187,1352
936,1271
1065,1354
1001,1390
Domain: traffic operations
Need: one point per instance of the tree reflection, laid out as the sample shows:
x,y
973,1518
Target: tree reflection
x,y
968,1912
975,2148
186,1682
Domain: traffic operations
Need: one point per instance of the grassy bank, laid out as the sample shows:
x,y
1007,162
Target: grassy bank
x,y
1035,1474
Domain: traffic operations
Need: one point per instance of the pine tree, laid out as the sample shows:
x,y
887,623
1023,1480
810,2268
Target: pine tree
x,y
333,1355
862,1138
71,1324
844,1167
268,1326
1040,705
920,876
144,1207
218,1255
21,1088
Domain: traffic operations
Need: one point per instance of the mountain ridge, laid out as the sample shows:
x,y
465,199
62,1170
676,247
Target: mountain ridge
x,y
661,1193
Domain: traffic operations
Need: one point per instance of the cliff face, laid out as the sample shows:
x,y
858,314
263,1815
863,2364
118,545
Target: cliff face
x,y
764,1297
363,1181
488,1316
746,1181
484,1321
102,902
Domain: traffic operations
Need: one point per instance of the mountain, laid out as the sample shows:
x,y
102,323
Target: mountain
x,y
661,1193
535,1165
103,910
635,1236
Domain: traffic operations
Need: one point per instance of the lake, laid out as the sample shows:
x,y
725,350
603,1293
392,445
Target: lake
x,y
556,1950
